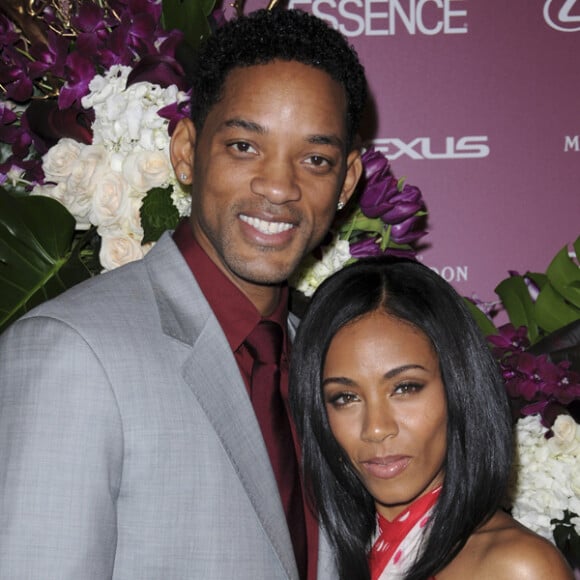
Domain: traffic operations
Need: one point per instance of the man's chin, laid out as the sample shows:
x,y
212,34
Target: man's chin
x,y
263,274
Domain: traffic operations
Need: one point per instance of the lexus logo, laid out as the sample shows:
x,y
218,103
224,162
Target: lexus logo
x,y
563,15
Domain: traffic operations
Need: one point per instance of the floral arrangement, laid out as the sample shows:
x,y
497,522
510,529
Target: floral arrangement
x,y
93,134
538,350
90,94
106,183
546,485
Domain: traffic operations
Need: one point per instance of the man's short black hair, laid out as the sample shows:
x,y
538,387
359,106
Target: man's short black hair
x,y
267,35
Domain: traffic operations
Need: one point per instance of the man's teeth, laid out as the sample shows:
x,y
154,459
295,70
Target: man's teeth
x,y
266,227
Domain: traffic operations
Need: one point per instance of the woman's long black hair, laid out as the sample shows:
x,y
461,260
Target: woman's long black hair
x,y
479,435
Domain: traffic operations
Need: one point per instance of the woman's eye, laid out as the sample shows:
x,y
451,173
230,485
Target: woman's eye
x,y
407,388
341,399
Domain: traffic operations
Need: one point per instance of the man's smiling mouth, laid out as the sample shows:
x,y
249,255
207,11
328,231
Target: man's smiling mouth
x,y
266,227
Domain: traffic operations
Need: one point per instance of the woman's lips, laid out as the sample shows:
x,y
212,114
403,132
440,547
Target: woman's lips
x,y
386,467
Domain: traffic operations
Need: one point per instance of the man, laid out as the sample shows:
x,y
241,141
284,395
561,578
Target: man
x,y
131,444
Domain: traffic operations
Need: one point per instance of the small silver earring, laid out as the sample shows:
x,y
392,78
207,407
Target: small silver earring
x,y
183,177
340,205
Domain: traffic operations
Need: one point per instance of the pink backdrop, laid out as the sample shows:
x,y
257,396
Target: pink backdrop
x,y
477,103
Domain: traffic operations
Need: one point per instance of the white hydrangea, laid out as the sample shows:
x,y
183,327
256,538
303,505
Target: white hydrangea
x,y
104,183
313,272
546,476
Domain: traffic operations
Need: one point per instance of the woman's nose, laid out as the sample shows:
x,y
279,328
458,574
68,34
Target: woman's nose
x,y
379,423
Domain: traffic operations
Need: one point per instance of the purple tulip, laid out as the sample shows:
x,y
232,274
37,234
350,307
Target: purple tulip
x,y
374,163
365,248
405,232
381,196
401,253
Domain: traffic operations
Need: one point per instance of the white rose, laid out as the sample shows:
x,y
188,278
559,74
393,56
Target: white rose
x,y
132,224
110,200
119,250
60,159
55,190
565,428
79,204
91,159
146,169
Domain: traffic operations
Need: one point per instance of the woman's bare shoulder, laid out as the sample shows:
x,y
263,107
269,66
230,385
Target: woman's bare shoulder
x,y
503,549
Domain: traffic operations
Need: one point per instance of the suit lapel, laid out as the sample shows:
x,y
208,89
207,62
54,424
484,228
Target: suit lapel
x,y
212,374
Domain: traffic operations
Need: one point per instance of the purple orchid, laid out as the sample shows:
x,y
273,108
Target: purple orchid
x,y
80,72
509,340
15,77
174,113
50,57
534,383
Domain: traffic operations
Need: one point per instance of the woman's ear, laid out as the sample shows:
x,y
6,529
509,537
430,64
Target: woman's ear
x,y
182,150
354,169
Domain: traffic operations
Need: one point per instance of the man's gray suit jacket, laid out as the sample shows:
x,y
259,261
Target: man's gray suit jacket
x,y
129,448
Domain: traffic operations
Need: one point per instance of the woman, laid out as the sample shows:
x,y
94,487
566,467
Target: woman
x,y
406,432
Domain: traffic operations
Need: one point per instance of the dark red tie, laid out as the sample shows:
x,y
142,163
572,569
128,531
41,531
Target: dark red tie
x,y
265,345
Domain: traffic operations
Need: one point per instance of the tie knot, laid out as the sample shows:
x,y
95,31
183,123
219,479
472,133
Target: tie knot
x,y
265,342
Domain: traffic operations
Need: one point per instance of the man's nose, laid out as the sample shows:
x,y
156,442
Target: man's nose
x,y
276,182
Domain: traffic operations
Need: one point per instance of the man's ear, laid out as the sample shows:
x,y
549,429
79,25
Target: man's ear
x,y
354,169
182,150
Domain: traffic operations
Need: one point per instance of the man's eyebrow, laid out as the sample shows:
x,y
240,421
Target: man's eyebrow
x,y
315,139
333,140
244,124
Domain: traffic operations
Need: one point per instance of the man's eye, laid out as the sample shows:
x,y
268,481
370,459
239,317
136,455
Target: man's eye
x,y
318,161
242,147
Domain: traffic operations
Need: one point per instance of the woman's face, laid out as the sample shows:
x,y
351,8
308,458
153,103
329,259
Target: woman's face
x,y
387,409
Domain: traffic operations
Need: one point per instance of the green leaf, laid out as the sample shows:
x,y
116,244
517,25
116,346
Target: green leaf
x,y
189,16
564,275
539,279
552,310
362,223
485,324
158,214
518,304
37,261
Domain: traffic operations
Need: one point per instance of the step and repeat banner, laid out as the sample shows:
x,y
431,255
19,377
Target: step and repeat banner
x,y
477,102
